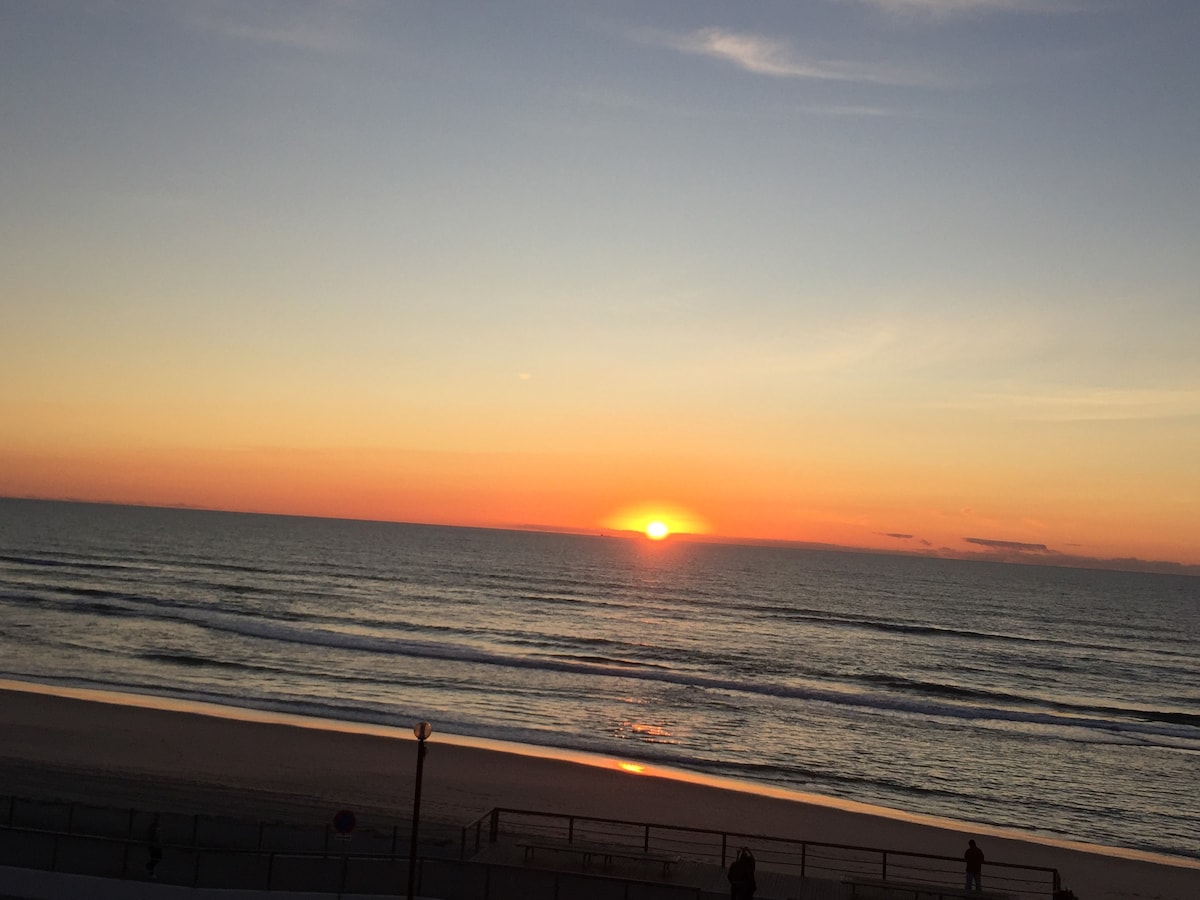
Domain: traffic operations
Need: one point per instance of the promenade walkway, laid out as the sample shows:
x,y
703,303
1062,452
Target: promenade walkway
x,y
35,884
50,851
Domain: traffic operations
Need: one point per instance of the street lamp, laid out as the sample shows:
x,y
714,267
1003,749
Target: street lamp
x,y
422,730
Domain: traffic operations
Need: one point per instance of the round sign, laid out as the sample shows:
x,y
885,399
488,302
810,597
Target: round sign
x,y
343,822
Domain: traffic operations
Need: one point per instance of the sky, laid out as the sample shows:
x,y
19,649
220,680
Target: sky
x,y
913,275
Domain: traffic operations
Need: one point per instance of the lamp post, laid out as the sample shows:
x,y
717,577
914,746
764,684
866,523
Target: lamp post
x,y
422,730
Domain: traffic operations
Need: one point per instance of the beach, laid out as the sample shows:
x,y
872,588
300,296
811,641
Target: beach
x,y
87,749
1059,702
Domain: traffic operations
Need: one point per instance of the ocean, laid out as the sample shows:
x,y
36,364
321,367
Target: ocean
x,y
1060,702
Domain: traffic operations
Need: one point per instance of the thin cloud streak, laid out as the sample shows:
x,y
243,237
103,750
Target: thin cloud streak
x,y
1101,405
941,9
319,27
1016,546
774,58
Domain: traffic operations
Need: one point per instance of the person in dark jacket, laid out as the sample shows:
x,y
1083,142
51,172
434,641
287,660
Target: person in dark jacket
x,y
154,848
974,861
741,876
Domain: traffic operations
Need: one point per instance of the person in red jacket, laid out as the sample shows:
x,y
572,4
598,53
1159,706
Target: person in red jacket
x,y
974,860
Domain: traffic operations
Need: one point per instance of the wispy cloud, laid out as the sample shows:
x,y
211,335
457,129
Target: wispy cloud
x,y
1083,405
773,57
1010,546
947,8
324,26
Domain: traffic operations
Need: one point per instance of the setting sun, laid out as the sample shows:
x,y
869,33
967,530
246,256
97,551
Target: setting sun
x,y
657,530
656,520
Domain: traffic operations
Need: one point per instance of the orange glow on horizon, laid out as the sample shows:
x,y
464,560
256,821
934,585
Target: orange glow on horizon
x,y
848,508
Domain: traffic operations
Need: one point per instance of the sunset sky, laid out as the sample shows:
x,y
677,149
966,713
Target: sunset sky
x,y
908,274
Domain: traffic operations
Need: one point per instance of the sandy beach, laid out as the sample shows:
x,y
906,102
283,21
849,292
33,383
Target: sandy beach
x,y
80,748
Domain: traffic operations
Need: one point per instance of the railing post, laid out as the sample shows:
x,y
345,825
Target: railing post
x,y
128,838
883,855
724,848
494,828
345,862
570,829
646,841
803,857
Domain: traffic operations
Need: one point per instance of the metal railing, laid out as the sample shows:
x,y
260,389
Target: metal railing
x,y
335,871
199,830
808,859
340,874
214,851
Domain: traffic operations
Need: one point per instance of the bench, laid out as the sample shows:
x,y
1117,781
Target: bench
x,y
874,889
606,854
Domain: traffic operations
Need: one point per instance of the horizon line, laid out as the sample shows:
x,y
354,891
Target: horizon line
x,y
1013,557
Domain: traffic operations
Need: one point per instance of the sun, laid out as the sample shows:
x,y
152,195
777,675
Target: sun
x,y
656,520
657,530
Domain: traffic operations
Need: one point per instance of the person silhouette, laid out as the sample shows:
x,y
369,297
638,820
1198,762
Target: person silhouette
x,y
742,883
153,848
974,860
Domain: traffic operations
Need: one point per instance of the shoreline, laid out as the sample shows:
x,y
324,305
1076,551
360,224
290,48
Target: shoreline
x,y
151,752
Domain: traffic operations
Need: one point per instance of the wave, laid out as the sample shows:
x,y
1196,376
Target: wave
x,y
87,563
1175,717
193,661
57,596
939,700
883,692
943,632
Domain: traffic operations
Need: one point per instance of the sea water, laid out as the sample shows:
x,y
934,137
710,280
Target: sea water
x,y
1062,702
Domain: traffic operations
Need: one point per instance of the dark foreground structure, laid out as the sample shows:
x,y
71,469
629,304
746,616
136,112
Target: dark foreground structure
x,y
506,854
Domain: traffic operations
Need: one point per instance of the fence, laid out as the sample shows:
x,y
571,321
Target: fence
x,y
212,851
217,852
341,874
202,850
807,859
